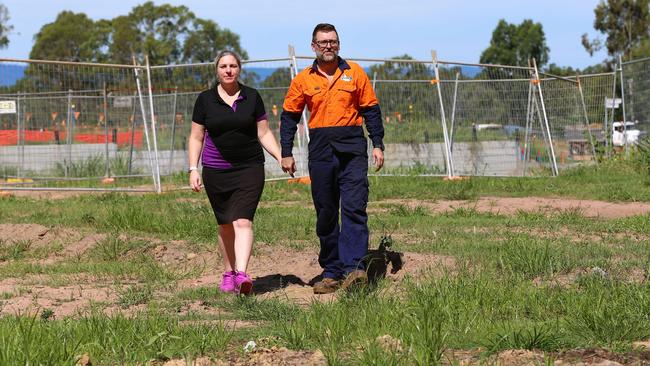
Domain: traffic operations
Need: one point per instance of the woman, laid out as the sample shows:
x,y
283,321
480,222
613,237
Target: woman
x,y
233,163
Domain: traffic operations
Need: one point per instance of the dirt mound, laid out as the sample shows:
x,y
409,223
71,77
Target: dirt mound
x,y
59,302
34,233
36,236
261,357
597,356
519,357
281,356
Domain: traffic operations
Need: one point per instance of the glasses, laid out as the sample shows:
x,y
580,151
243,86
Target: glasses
x,y
325,43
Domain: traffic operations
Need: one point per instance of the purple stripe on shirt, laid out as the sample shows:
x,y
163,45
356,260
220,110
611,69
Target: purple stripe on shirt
x,y
211,156
261,118
234,104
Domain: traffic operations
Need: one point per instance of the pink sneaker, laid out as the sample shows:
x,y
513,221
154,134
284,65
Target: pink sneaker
x,y
228,282
243,284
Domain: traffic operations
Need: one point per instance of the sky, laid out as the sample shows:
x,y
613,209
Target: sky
x,y
459,30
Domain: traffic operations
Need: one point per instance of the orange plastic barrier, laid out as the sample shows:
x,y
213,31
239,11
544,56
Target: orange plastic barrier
x,y
123,138
10,137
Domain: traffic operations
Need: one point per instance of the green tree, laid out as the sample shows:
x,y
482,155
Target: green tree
x,y
159,30
273,89
554,69
5,28
280,77
513,44
625,23
71,37
641,50
205,40
125,40
166,34
396,70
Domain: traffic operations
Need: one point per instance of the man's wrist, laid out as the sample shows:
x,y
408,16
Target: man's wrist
x,y
192,168
286,151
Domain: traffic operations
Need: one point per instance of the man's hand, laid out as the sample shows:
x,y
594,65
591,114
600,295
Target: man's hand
x,y
288,165
377,158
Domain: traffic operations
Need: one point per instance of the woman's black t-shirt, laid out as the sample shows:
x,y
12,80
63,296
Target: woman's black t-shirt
x,y
232,139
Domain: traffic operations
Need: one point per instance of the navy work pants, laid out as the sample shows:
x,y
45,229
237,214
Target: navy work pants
x,y
341,182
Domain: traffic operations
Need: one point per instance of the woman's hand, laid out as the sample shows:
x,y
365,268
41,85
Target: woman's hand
x,y
195,180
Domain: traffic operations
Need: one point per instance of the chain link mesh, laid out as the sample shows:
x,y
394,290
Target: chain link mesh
x,y
72,122
75,121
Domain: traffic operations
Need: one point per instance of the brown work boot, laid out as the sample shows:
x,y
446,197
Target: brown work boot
x,y
355,280
326,286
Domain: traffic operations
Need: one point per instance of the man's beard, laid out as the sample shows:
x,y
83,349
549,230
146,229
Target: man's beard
x,y
327,58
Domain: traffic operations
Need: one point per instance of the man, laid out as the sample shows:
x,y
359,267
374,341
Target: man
x,y
339,96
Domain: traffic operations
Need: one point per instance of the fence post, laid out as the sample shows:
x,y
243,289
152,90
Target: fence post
x,y
546,124
153,127
132,134
453,115
171,152
449,162
69,132
20,138
620,68
608,128
144,123
529,126
105,105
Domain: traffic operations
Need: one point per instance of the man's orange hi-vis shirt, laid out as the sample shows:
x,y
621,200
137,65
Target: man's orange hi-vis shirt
x,y
337,111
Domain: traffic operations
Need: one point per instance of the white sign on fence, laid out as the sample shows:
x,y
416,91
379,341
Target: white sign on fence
x,y
7,106
612,103
122,102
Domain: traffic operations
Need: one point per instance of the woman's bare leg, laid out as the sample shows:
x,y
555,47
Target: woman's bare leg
x,y
227,246
243,229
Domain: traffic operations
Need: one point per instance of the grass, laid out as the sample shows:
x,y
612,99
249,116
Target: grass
x,y
109,340
532,280
13,250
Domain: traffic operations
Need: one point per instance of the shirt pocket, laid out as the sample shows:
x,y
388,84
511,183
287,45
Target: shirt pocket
x,y
345,94
313,93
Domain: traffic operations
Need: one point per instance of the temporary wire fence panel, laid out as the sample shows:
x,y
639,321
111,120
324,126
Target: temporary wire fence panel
x,y
272,79
636,86
573,138
489,116
412,118
73,123
174,92
599,92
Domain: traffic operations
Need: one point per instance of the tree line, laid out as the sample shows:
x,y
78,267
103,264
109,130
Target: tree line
x,y
170,34
166,34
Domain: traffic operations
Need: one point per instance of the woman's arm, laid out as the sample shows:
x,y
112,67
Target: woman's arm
x,y
267,139
194,147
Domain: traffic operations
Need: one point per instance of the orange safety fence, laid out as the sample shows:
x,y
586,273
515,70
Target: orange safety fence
x,y
10,137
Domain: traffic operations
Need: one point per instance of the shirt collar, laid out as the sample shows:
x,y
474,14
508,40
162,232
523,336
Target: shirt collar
x,y
242,92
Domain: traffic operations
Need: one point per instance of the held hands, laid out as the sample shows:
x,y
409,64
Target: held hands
x,y
377,158
195,180
288,165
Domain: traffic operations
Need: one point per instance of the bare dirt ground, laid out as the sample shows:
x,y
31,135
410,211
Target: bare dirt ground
x,y
513,205
278,272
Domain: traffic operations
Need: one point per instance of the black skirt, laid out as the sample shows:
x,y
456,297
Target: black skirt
x,y
234,193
